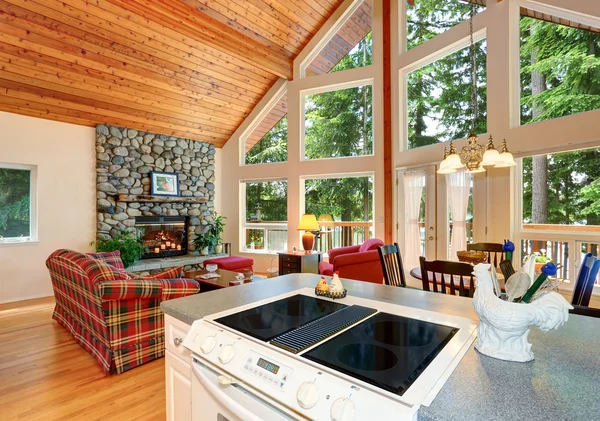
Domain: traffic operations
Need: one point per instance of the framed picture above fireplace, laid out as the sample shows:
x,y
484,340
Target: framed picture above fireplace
x,y
164,183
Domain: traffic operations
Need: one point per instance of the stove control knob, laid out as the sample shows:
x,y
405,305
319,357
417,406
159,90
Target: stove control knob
x,y
343,410
227,353
307,395
208,344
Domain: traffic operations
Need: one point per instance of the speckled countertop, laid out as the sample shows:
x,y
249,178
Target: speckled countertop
x,y
562,383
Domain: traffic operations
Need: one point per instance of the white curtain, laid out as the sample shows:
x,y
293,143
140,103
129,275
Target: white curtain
x,y
414,182
458,187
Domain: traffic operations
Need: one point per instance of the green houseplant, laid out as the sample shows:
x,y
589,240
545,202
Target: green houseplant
x,y
126,242
217,230
205,243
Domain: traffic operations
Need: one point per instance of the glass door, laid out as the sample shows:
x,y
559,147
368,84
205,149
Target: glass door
x,y
417,232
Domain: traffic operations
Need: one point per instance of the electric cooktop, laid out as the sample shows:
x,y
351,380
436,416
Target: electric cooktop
x,y
270,320
386,350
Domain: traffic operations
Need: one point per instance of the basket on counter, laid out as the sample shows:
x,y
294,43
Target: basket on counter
x,y
472,256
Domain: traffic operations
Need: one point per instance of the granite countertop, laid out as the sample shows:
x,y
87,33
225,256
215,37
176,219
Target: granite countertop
x,y
562,383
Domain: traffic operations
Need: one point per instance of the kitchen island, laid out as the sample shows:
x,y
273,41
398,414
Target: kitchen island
x,y
561,384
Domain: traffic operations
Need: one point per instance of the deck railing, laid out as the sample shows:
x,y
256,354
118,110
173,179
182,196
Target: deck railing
x,y
336,234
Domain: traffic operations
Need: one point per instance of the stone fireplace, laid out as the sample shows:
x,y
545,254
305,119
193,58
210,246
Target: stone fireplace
x,y
162,236
125,159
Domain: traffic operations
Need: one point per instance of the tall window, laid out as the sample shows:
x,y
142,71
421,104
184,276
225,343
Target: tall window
x,y
349,48
339,123
560,69
16,197
268,141
561,207
344,209
427,18
265,225
440,93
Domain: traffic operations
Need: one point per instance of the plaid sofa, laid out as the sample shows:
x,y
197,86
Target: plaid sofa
x,y
114,315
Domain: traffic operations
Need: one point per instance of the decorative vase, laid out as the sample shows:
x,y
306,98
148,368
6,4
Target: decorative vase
x,y
504,326
219,248
204,251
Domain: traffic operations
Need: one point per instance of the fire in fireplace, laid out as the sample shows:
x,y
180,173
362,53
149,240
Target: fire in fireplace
x,y
162,236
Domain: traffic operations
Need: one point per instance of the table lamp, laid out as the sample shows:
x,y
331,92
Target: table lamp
x,y
308,223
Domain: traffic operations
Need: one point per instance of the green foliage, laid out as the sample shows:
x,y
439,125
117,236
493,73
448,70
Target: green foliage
x,y
591,194
127,243
14,202
569,61
270,197
439,94
217,227
207,240
272,147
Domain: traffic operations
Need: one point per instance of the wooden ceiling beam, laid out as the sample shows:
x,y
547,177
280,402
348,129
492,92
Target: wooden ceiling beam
x,y
212,32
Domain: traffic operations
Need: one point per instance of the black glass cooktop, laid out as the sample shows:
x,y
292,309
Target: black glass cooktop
x,y
387,351
273,319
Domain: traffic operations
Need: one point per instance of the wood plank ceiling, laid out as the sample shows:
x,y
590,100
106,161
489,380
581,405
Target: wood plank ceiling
x,y
187,68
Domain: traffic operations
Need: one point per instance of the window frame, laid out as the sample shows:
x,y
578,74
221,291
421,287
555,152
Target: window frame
x,y
357,83
33,214
562,233
265,111
245,225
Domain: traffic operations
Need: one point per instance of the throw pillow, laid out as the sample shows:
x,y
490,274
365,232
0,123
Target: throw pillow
x,y
112,258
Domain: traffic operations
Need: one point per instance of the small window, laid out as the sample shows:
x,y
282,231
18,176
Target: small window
x,y
439,98
349,48
268,141
265,224
17,222
339,123
560,67
427,18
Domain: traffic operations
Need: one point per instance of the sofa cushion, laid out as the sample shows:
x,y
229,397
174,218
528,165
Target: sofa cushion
x,y
370,244
112,258
326,268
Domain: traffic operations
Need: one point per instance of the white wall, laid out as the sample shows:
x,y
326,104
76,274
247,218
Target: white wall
x,y
66,190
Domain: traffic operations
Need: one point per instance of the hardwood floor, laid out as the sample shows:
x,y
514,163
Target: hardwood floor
x,y
46,375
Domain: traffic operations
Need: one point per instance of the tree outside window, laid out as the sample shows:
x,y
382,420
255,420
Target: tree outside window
x,y
15,203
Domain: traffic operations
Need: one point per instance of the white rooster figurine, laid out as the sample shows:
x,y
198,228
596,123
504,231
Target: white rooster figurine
x,y
504,326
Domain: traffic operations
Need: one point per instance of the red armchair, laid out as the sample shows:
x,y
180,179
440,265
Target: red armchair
x,y
359,262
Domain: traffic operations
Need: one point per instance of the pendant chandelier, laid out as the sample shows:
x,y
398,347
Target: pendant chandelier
x,y
474,157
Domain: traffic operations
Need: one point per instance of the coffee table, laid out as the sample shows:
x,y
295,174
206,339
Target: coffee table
x,y
227,279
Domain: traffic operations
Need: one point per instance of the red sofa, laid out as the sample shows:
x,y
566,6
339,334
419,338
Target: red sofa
x,y
359,262
113,314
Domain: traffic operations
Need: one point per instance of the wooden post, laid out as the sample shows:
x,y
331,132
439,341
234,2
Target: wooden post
x,y
387,123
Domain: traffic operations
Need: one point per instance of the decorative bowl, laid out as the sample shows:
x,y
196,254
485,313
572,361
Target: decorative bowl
x,y
211,267
472,256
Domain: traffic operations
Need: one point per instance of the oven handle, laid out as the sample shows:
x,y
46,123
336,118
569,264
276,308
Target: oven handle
x,y
238,410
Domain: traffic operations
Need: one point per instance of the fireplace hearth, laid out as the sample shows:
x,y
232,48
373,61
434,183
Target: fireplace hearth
x,y
162,236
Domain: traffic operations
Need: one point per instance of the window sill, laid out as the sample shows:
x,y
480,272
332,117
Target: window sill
x,y
18,243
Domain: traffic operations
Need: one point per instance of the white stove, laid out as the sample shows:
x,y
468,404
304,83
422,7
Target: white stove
x,y
301,357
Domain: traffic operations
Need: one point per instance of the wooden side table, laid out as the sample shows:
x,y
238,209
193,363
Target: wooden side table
x,y
299,262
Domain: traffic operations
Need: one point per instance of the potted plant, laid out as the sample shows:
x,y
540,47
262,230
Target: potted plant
x,y
540,260
217,230
126,242
205,243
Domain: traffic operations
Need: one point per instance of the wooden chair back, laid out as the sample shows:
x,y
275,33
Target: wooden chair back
x,y
489,248
590,266
391,263
585,311
507,269
444,277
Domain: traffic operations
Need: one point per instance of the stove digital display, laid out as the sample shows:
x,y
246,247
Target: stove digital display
x,y
268,366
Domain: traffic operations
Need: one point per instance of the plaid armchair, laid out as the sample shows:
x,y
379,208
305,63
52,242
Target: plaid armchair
x,y
113,314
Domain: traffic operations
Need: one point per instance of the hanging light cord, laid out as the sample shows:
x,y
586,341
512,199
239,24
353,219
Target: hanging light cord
x,y
474,69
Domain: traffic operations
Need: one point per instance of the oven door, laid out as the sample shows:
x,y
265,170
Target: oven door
x,y
212,401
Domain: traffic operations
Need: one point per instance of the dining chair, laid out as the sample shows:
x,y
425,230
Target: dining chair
x,y
507,269
586,279
391,263
449,273
585,311
489,248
